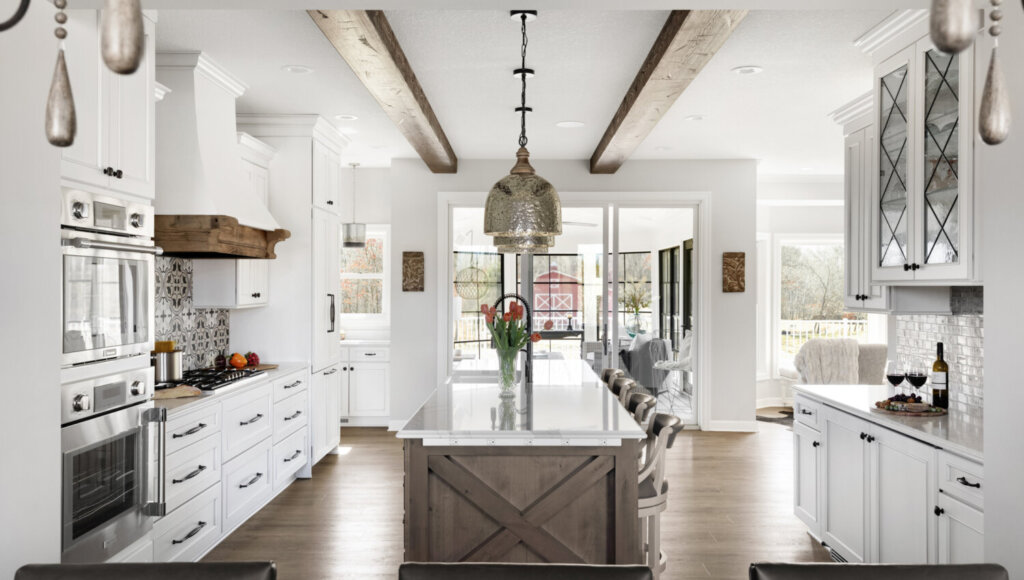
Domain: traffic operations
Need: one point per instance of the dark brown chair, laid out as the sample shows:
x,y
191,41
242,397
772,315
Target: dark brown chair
x,y
621,387
163,571
653,489
640,406
608,375
475,571
766,571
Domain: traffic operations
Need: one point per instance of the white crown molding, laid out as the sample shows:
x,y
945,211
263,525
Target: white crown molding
x,y
854,109
201,63
800,202
895,24
293,126
254,150
160,91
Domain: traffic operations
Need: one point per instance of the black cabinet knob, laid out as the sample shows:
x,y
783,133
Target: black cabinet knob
x,y
816,443
108,171
118,174
939,511
871,439
916,267
330,202
863,436
906,267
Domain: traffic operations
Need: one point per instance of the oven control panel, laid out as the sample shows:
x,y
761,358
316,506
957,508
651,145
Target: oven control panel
x,y
99,213
102,394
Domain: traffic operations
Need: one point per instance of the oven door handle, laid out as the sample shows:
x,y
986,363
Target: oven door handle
x,y
87,244
155,419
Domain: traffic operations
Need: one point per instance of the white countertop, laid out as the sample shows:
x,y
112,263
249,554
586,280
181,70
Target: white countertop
x,y
185,404
567,405
958,432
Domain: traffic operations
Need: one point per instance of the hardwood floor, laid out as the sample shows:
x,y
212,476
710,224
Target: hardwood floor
x,y
730,504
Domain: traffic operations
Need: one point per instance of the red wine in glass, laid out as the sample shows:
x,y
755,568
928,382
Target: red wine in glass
x,y
896,379
917,379
894,373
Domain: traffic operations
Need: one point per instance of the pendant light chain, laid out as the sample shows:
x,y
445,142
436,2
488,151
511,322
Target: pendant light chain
x,y
522,131
354,166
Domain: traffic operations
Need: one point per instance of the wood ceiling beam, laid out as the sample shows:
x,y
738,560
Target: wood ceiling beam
x,y
365,40
686,43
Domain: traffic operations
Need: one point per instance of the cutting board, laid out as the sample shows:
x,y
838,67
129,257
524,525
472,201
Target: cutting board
x,y
262,367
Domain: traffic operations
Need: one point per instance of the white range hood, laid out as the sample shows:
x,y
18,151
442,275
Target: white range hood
x,y
199,169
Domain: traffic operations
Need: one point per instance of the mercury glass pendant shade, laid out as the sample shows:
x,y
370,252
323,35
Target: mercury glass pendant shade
x,y
523,212
122,35
353,235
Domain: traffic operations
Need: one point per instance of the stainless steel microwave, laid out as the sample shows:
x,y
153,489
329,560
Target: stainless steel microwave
x,y
108,278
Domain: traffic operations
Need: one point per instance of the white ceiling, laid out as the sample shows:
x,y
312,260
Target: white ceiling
x,y
585,60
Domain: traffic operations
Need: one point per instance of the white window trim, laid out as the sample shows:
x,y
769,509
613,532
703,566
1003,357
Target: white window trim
x,y
374,321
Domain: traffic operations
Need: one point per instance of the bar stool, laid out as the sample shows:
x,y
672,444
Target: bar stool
x,y
621,388
653,490
609,375
641,405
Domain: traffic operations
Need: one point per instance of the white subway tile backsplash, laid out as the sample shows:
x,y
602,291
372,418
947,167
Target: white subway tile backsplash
x,y
963,339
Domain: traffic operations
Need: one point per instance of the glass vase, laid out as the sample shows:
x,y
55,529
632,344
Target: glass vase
x,y
507,370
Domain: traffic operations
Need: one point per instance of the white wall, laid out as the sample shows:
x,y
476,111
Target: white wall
x,y
30,298
373,198
999,178
732,184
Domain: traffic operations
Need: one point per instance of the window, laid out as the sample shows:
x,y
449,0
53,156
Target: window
x,y
635,292
478,280
364,278
668,305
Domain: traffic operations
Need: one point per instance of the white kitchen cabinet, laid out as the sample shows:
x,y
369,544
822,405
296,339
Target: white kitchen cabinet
x,y
326,288
923,228
369,384
846,501
806,476
961,532
860,294
230,283
326,176
903,528
325,399
115,144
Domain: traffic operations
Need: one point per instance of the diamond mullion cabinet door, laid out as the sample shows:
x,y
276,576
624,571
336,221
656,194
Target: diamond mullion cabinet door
x,y
807,477
893,202
845,490
961,532
85,160
903,528
943,162
132,134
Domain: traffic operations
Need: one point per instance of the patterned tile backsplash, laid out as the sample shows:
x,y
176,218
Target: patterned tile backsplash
x,y
201,333
962,335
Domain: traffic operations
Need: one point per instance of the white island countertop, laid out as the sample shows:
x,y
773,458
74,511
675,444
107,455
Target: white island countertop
x,y
958,432
566,405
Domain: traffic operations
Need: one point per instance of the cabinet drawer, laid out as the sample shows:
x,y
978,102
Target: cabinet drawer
x,y
962,478
193,427
141,552
291,414
247,483
192,470
247,420
290,456
806,411
285,387
186,534
370,354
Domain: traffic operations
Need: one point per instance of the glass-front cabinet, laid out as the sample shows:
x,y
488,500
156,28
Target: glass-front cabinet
x,y
923,198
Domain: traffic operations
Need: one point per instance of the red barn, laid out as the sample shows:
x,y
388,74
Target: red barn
x,y
556,296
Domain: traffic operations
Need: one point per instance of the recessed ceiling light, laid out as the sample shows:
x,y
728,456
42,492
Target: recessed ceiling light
x,y
748,69
346,118
662,148
570,124
297,69
694,118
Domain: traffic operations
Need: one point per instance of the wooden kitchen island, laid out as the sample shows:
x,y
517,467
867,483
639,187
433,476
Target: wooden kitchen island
x,y
550,476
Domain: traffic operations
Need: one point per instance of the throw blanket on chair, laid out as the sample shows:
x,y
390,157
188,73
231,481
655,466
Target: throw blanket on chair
x,y
828,361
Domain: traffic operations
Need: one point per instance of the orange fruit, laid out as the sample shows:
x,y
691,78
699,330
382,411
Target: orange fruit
x,y
238,361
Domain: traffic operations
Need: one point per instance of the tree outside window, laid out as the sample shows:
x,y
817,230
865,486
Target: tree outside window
x,y
363,278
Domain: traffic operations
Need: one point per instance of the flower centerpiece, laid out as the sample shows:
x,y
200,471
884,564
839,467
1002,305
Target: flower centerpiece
x,y
511,334
635,296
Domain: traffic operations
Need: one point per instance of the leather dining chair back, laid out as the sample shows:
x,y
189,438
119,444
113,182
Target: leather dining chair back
x,y
768,571
161,571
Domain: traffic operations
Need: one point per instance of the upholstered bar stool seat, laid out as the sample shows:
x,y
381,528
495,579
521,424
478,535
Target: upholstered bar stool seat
x,y
621,388
609,375
640,406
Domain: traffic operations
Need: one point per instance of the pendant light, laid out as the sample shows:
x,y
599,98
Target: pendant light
x,y
523,212
994,114
952,24
353,234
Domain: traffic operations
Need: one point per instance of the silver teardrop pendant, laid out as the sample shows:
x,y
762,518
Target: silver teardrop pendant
x,y
952,25
61,123
994,115
122,35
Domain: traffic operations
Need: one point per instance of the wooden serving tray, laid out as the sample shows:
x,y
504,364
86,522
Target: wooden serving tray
x,y
937,413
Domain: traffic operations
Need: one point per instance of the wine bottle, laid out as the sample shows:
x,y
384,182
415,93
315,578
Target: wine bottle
x,y
940,372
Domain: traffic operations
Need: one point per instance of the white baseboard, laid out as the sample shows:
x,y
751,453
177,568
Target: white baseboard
x,y
394,425
774,402
735,426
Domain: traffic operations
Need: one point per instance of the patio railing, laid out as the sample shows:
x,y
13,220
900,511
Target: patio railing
x,y
794,333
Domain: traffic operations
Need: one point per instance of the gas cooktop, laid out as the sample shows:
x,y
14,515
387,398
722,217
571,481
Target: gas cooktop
x,y
212,379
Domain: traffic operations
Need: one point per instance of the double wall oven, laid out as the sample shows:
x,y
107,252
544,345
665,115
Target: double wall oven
x,y
108,278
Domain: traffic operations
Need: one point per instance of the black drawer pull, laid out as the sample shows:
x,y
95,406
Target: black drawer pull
x,y
293,416
251,421
198,470
189,535
293,385
297,453
191,431
369,354
963,481
806,412
251,481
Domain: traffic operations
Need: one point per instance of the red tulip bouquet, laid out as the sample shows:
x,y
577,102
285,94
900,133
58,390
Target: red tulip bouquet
x,y
510,336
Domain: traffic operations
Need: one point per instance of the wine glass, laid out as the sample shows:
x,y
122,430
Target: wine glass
x,y
894,373
917,378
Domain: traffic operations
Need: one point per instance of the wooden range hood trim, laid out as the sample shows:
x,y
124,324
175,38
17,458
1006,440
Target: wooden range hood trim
x,y
214,236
